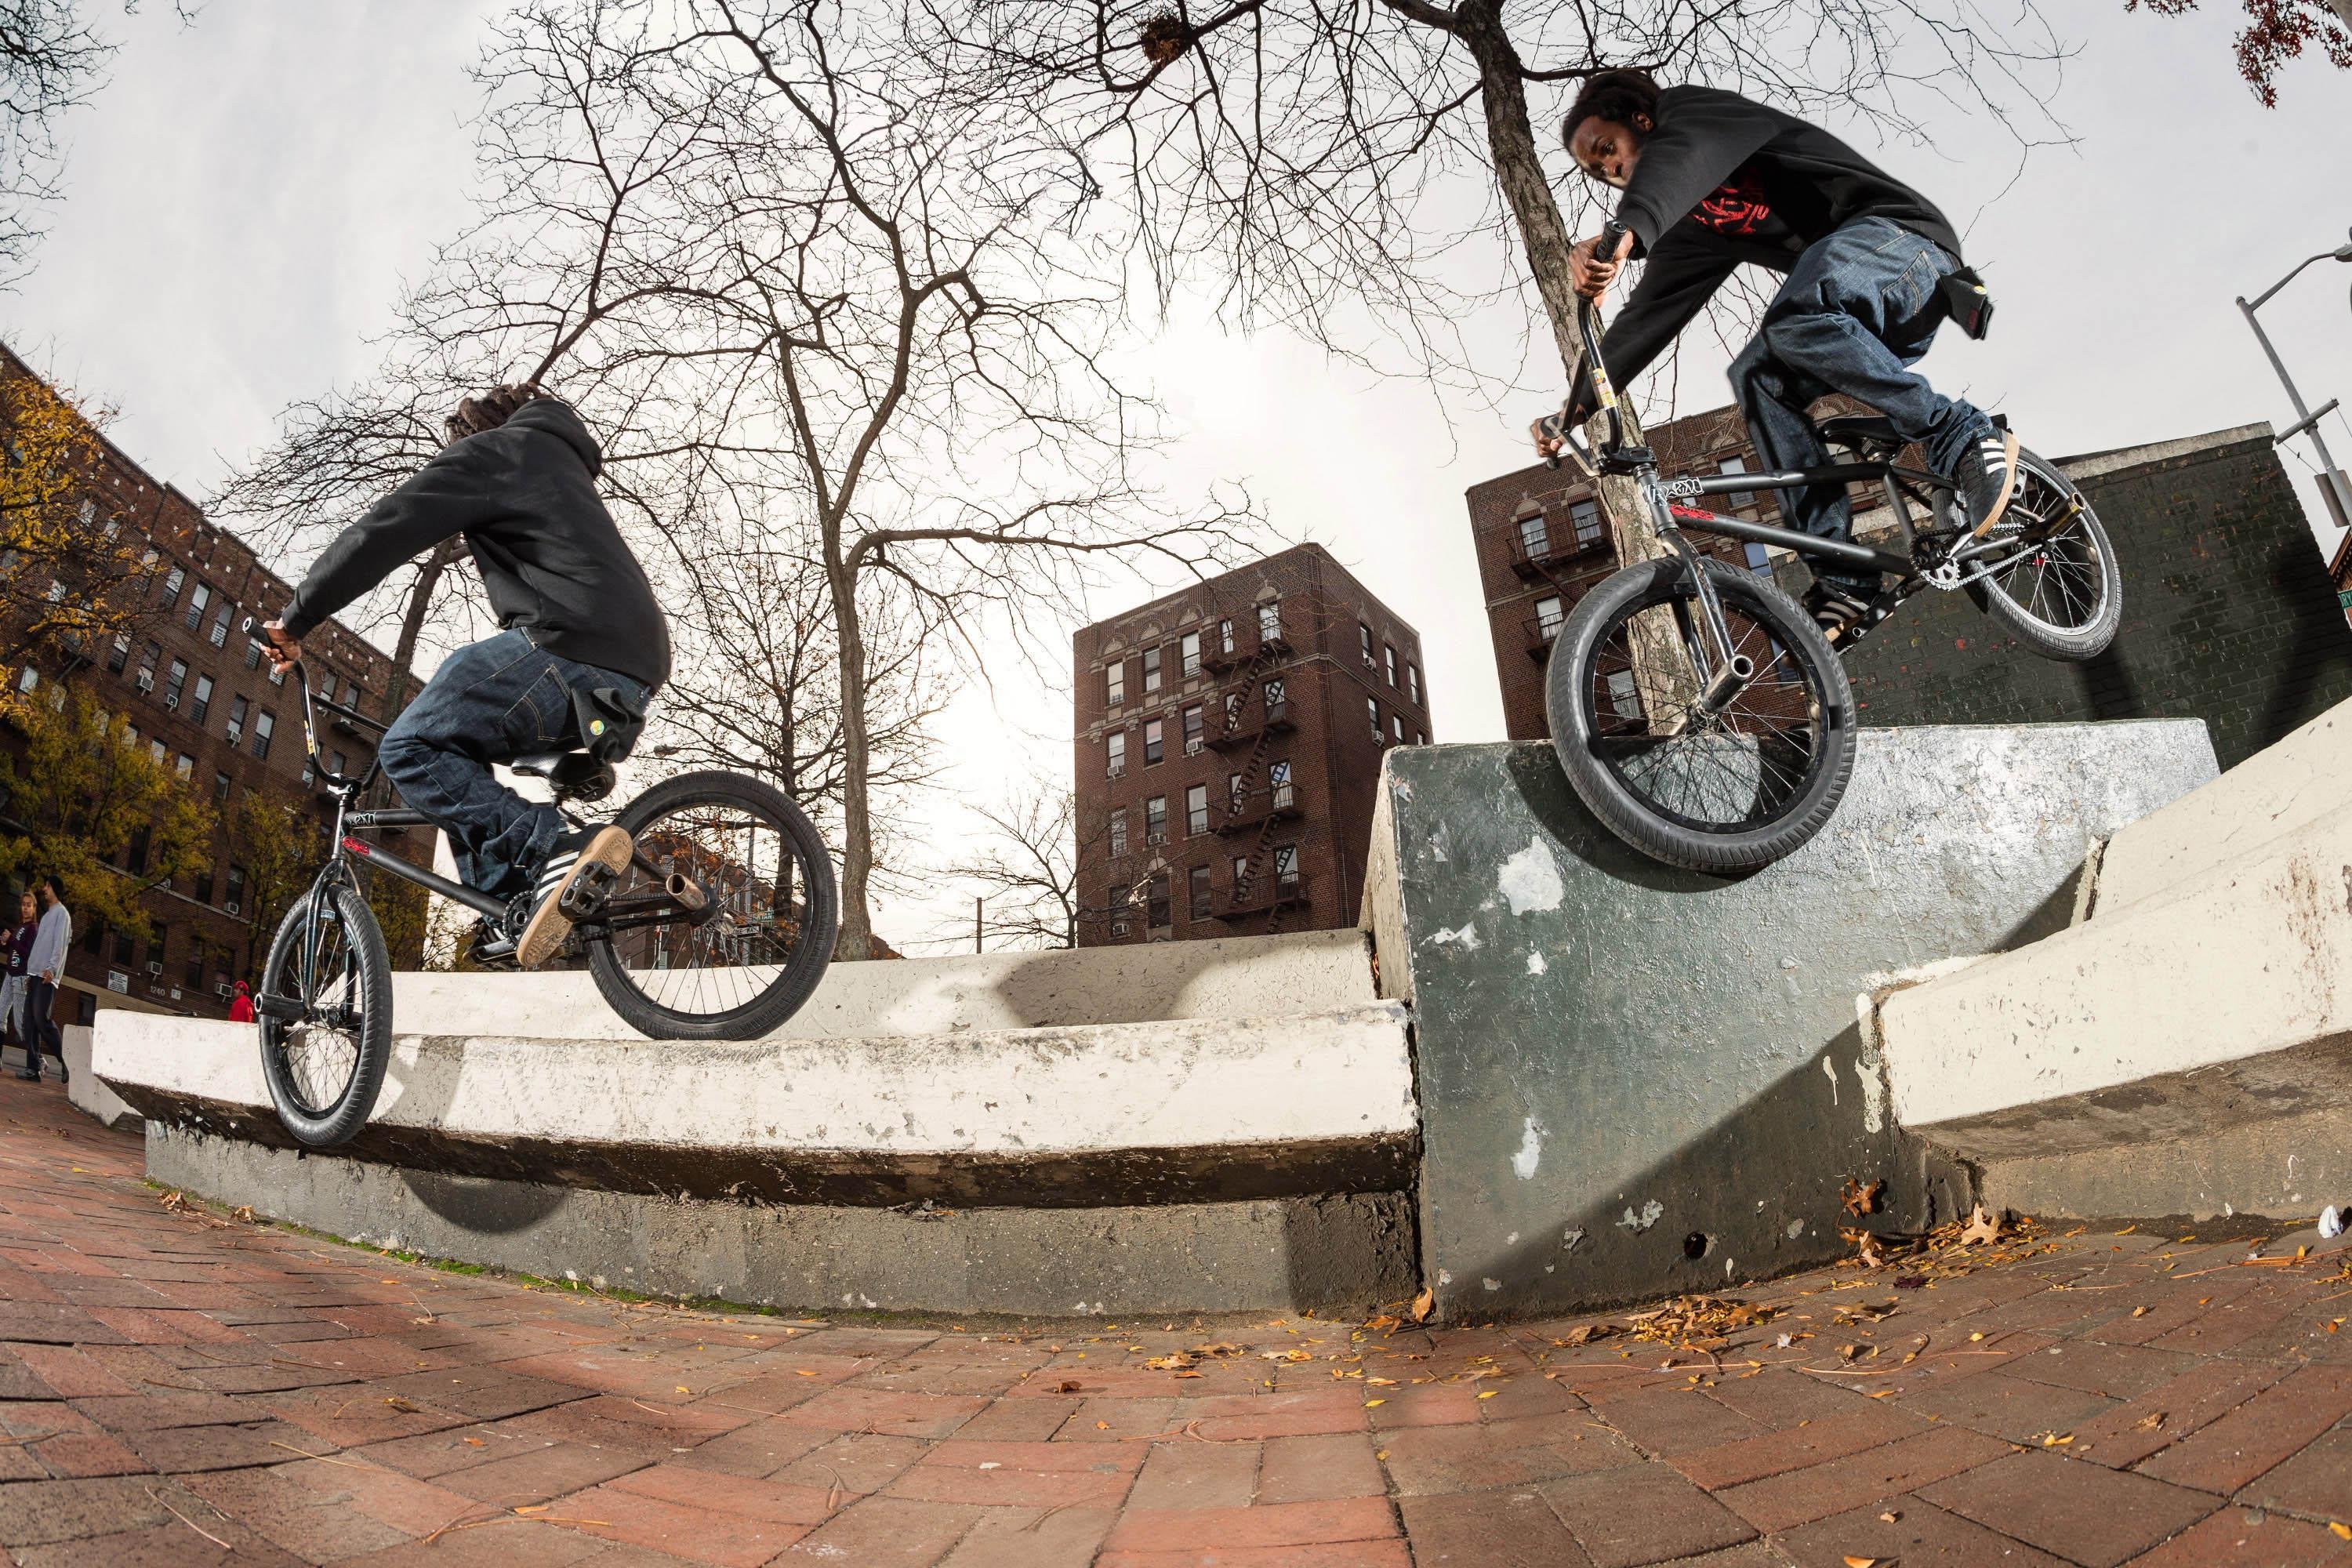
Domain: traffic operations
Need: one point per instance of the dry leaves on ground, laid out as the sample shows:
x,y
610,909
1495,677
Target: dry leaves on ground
x,y
1859,1199
1699,1322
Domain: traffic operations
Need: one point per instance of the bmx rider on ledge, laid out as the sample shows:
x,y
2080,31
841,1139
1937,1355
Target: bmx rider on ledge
x,y
1712,180
583,635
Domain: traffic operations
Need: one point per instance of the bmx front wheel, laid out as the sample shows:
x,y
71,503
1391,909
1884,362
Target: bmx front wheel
x,y
2053,581
745,946
1726,792
325,1012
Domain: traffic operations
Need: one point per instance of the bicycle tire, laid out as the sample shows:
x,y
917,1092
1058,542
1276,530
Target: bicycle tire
x,y
2090,636
1586,754
364,965
819,918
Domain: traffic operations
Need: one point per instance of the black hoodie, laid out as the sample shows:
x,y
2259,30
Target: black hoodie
x,y
524,495
1723,180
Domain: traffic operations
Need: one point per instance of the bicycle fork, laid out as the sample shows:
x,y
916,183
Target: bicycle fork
x,y
1722,679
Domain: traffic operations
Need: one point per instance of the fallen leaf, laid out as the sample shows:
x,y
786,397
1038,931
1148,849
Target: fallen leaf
x,y
2139,1312
2128,1230
1981,1227
474,1443
1102,1426
1383,1381
1490,1393
683,1389
1382,1455
2343,1531
2149,1423
403,1405
1422,1305
1859,1200
1890,1517
1177,1361
1854,1561
1368,1404
1066,1386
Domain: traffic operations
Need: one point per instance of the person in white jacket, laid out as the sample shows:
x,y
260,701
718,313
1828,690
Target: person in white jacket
x,y
50,940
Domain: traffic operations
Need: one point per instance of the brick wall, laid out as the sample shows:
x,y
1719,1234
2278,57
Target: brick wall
x,y
2229,614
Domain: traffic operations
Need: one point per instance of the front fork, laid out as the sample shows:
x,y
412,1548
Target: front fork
x,y
1722,677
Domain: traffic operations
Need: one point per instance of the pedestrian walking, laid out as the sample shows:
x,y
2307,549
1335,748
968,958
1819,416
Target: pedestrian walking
x,y
17,944
241,1010
51,937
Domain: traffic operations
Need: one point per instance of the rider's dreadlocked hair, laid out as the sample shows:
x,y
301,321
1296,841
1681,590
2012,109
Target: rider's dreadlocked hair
x,y
1612,95
488,412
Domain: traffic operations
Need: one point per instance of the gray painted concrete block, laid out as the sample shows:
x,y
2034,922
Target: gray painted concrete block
x,y
1635,1080
1347,1251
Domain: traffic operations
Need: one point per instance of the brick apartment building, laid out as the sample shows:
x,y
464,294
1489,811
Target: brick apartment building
x,y
199,695
2230,612
1229,745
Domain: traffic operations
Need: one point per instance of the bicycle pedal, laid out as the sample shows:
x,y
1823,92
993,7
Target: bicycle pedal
x,y
588,892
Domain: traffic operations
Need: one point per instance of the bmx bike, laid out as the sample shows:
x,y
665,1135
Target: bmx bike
x,y
717,929
1702,715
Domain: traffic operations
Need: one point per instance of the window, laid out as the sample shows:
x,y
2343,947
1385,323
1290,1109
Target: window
x,y
178,680
159,752
1396,727
1118,832
1759,560
1622,698
1197,885
195,974
252,654
1585,518
1279,793
93,942
1273,699
1372,713
173,583
160,949
28,679
121,656
1364,640
1115,745
148,659
1234,790
233,897
1549,616
1534,537
263,723
1224,637
220,789
134,854
1151,670
204,703
1121,897
1389,652
1736,465
1188,655
1154,742
1269,621
1196,808
351,692
1114,683
186,768
1240,872
197,603
237,711
218,637
1286,868
337,765
309,771
1155,901
1155,820
1192,729
1412,683
125,949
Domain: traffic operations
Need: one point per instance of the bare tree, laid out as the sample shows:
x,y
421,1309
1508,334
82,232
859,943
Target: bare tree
x,y
1025,869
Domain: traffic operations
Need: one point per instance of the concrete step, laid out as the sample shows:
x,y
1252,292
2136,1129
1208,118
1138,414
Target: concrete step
x,y
1231,977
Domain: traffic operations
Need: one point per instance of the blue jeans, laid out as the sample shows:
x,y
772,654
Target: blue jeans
x,y
490,702
1857,310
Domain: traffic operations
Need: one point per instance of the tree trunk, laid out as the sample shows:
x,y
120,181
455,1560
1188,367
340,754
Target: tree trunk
x,y
1662,671
411,621
856,938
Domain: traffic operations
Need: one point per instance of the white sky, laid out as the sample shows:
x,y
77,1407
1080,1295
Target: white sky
x,y
246,195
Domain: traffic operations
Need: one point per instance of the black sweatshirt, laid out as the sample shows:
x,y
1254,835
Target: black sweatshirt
x,y
524,495
1722,180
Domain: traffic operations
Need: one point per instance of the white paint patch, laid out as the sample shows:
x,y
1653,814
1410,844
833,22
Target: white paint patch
x,y
1491,1284
1446,1277
1727,1266
1530,880
1512,1240
1872,1077
1535,963
1796,1229
1830,1067
1568,1241
1530,1152
1650,1214
1466,938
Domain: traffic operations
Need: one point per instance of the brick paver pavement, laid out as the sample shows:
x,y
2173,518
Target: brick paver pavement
x,y
179,1389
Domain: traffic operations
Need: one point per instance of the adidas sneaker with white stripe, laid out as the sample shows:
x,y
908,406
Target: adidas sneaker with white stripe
x,y
575,853
1986,477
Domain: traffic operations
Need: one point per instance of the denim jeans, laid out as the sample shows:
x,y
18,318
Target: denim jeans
x,y
490,702
1857,310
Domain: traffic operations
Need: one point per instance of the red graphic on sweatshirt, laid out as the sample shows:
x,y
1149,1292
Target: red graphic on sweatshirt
x,y
1737,207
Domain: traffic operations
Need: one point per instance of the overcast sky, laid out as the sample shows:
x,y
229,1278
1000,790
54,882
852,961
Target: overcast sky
x,y
245,197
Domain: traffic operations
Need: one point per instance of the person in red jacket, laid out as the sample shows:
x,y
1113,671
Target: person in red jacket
x,y
241,1010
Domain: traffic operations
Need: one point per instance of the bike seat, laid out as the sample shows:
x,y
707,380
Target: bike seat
x,y
573,773
1861,432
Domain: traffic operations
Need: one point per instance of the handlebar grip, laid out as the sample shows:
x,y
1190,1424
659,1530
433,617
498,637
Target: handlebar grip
x,y
1612,235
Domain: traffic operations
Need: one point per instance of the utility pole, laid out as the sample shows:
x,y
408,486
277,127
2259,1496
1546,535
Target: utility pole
x,y
2333,482
976,926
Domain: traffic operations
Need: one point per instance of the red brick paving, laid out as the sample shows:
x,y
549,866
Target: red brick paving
x,y
177,1390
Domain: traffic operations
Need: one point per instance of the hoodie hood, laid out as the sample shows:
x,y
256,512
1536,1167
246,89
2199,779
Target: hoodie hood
x,y
554,416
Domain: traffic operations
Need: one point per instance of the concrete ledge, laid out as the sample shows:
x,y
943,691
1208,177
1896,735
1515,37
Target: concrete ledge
x,y
2276,791
2283,1168
2222,1000
1232,977
1328,1252
1173,1110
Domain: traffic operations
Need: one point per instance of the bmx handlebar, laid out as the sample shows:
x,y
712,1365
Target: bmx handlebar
x,y
1588,332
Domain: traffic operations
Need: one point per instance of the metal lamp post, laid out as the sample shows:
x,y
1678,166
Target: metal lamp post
x,y
2306,421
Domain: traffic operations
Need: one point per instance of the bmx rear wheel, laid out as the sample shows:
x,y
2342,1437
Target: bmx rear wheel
x,y
1727,793
2053,581
325,1012
746,945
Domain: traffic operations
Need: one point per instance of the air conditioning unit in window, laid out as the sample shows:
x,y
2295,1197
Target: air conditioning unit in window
x,y
232,907
223,989
172,702
1155,839
1119,928
155,967
146,681
235,730
1118,770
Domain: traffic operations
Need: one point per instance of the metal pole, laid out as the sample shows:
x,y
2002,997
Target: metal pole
x,y
976,927
2334,477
